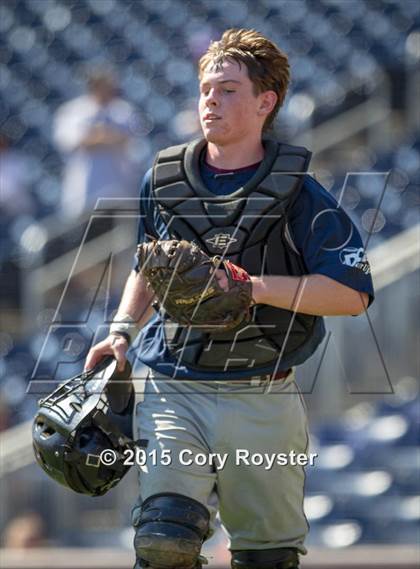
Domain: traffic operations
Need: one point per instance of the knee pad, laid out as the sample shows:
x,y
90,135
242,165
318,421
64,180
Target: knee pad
x,y
170,531
280,558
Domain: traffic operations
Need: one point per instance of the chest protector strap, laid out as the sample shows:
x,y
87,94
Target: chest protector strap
x,y
248,228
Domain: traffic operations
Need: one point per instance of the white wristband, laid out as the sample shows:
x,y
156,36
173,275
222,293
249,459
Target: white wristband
x,y
125,325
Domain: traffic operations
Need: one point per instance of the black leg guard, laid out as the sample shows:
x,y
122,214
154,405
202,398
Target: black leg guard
x,y
170,531
265,559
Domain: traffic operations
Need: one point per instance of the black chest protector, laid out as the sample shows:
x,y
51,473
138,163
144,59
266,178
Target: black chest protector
x,y
249,228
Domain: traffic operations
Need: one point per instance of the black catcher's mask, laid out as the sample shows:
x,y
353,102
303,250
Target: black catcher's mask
x,y
84,416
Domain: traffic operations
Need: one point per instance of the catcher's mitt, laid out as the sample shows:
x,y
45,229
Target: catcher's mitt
x,y
183,279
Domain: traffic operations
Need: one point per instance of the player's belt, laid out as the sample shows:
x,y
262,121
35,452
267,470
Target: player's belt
x,y
258,380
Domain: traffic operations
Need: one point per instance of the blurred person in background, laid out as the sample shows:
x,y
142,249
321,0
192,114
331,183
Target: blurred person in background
x,y
16,204
94,133
24,532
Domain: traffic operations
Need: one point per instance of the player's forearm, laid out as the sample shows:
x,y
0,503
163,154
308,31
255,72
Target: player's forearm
x,y
309,294
136,300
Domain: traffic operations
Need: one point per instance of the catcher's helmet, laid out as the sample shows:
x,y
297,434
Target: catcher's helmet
x,y
84,416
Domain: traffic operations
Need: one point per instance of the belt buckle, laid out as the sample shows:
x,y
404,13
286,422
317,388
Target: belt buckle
x,y
259,380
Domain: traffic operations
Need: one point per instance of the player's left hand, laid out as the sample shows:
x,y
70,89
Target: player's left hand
x,y
195,289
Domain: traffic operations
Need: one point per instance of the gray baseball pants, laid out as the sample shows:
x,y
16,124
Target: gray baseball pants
x,y
208,439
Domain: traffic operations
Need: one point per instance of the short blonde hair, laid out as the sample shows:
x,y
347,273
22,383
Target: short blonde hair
x,y
268,66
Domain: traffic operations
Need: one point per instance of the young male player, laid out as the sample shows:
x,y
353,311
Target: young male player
x,y
248,198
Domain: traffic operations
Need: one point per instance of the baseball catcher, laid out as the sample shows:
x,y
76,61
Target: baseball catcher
x,y
239,251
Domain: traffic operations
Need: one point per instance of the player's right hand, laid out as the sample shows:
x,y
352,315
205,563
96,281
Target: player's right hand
x,y
113,345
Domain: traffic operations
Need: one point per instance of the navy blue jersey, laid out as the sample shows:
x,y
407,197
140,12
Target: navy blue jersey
x,y
320,231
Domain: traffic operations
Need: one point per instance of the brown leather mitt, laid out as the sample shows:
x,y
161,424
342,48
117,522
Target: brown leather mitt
x,y
183,279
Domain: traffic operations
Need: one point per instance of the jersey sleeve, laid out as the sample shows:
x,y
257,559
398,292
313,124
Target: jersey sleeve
x,y
145,228
328,240
151,225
